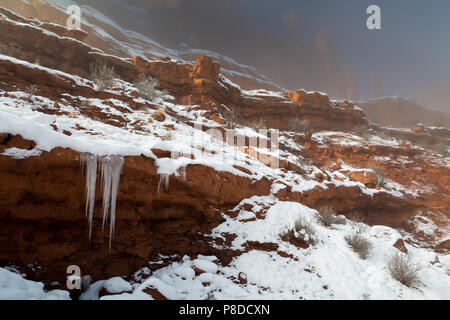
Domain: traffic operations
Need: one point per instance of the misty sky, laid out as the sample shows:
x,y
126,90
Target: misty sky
x,y
321,44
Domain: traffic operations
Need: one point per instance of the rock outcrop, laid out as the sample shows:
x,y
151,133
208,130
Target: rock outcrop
x,y
47,213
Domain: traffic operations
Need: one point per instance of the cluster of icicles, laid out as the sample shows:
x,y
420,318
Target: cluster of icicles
x,y
110,169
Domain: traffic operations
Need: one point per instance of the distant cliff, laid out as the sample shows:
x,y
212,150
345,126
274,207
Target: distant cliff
x,y
402,112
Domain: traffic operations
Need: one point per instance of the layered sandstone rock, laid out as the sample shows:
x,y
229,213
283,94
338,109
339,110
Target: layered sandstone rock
x,y
47,213
206,68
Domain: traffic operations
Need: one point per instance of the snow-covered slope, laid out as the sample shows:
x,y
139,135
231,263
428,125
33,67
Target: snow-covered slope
x,y
329,270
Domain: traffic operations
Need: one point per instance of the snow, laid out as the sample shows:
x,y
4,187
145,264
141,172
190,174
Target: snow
x,y
117,285
264,93
205,265
14,287
270,276
61,75
330,264
17,153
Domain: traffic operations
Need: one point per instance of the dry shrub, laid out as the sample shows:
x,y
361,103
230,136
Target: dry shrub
x,y
362,131
301,170
102,75
357,216
302,231
148,88
441,149
259,125
403,269
381,180
327,216
358,221
298,125
30,92
359,244
232,118
11,49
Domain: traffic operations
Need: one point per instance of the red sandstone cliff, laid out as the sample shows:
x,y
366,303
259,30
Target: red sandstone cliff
x,y
42,189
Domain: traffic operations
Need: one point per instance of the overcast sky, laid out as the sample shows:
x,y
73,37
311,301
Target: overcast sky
x,y
321,44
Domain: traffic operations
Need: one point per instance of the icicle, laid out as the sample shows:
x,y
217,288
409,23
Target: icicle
x,y
183,173
106,171
111,168
163,179
117,169
89,162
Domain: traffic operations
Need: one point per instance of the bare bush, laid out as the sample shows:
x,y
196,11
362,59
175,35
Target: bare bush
x,y
362,132
30,92
327,216
301,170
298,125
359,244
403,269
302,231
358,221
259,125
357,216
232,118
148,88
386,135
381,180
9,49
441,149
85,104
102,75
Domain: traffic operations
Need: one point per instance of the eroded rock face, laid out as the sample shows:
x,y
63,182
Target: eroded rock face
x,y
368,178
205,67
171,75
303,98
46,210
25,42
190,84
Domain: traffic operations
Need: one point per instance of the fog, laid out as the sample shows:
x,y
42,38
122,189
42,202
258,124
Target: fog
x,y
322,45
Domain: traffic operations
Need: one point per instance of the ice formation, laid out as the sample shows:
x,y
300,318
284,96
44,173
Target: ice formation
x,y
183,172
110,168
163,179
89,162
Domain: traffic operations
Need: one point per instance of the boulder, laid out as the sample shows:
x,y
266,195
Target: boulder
x,y
400,245
367,178
115,286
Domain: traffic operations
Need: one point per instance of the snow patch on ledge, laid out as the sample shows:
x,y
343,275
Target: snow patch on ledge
x,y
17,153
